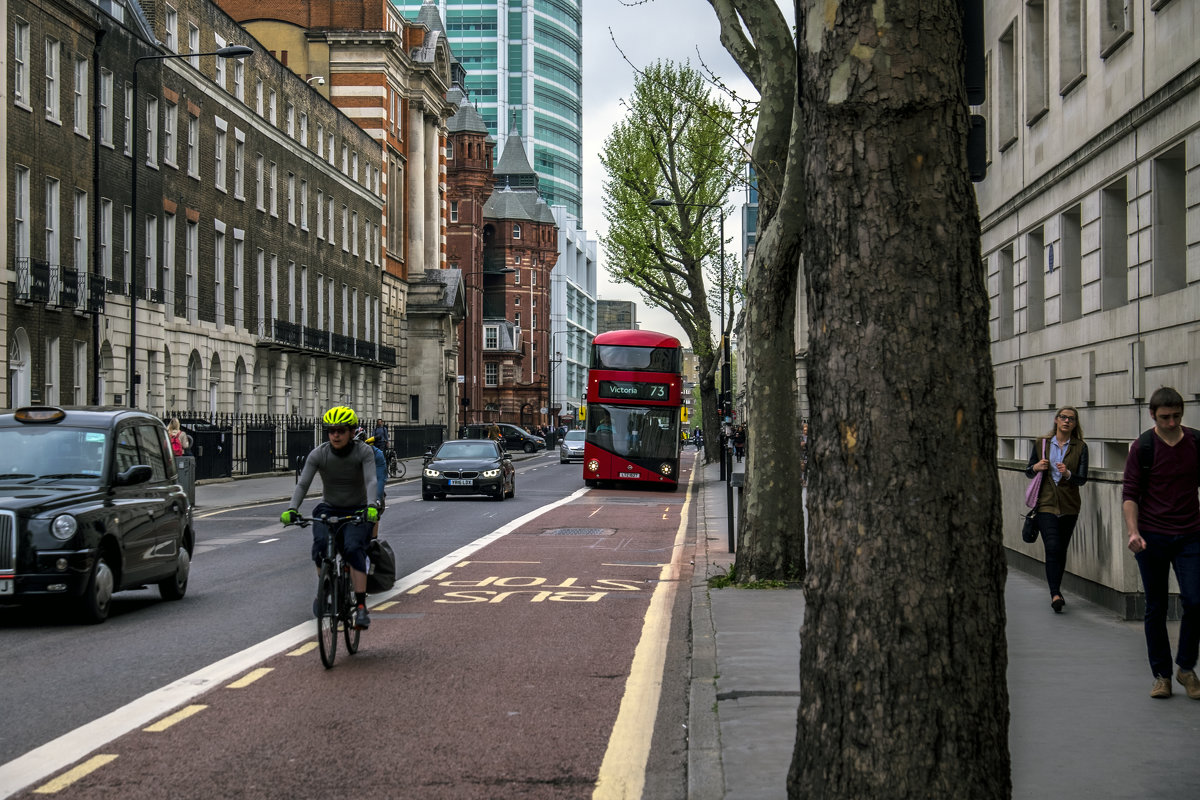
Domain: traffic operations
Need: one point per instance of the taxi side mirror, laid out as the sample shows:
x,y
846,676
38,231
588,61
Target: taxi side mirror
x,y
139,473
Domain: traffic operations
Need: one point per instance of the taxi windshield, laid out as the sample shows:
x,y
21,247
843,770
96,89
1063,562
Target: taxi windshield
x,y
33,453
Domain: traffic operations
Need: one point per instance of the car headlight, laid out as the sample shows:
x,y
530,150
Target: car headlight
x,y
63,527
432,473
491,473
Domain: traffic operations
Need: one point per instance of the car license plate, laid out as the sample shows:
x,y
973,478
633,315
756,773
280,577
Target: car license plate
x,y
630,475
6,586
461,482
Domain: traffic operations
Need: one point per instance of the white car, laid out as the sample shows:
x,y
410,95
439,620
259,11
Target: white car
x,y
571,448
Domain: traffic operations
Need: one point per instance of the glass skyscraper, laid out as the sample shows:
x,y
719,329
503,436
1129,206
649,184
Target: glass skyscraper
x,y
524,65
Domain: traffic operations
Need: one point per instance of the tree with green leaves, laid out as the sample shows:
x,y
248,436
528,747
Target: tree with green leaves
x,y
674,145
860,149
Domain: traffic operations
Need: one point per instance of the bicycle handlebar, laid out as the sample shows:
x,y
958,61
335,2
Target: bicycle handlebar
x,y
329,519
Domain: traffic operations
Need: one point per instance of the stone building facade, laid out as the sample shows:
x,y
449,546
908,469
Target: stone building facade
x,y
391,76
1091,243
247,277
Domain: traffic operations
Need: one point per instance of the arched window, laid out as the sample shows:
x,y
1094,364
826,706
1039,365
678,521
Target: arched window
x,y
239,385
516,231
214,383
193,382
20,382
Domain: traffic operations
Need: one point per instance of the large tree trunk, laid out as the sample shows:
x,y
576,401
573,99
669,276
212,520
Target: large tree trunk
x,y
903,653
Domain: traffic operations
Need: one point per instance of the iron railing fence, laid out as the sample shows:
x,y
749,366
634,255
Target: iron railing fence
x,y
225,445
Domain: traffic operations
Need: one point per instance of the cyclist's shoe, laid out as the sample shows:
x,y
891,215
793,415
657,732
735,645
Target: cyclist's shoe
x,y
362,620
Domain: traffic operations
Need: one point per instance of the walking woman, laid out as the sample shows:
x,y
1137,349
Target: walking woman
x,y
1063,456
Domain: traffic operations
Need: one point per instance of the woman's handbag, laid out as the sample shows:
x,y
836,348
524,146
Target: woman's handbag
x,y
1029,531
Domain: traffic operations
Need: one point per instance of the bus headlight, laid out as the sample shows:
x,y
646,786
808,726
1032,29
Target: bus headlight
x,y
665,469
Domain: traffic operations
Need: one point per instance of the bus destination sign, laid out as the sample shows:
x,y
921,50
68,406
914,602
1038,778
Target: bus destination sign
x,y
633,390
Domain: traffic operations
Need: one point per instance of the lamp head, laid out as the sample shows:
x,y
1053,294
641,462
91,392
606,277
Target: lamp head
x,y
235,51
316,79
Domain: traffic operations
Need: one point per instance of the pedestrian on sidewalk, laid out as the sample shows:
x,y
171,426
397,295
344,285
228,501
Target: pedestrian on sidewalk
x,y
739,442
1162,517
1065,464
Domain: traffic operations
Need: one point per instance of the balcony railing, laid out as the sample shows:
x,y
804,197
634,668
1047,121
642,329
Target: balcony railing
x,y
58,286
342,345
316,339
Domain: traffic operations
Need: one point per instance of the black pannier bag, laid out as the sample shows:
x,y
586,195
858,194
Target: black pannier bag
x,y
381,571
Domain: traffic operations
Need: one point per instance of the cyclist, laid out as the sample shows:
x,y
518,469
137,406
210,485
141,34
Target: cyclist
x,y
360,435
348,481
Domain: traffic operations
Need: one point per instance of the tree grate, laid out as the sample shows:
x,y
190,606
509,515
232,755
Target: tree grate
x,y
579,532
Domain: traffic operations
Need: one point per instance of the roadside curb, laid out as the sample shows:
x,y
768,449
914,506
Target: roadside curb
x,y
706,773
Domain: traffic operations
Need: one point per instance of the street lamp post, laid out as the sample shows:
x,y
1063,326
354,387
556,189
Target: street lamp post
x,y
233,51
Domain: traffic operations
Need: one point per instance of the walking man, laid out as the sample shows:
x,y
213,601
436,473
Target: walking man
x,y
1162,517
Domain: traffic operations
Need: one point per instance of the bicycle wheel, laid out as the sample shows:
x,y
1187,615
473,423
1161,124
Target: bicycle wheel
x,y
395,467
327,615
347,603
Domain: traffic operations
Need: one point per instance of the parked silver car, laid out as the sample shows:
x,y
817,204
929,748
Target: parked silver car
x,y
571,448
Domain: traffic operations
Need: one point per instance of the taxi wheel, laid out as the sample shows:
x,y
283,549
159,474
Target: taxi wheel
x,y
97,597
530,447
175,587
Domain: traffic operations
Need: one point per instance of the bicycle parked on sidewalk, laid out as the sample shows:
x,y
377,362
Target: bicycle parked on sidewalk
x,y
335,593
395,464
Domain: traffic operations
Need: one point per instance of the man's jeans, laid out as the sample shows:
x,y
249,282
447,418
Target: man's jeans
x,y
1155,564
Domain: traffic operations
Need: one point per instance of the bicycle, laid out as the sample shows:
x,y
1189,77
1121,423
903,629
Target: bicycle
x,y
335,593
395,465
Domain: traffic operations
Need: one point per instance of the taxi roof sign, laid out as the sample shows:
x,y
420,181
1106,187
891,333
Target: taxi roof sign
x,y
39,414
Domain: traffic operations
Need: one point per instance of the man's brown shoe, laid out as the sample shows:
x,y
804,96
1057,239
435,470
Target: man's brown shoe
x,y
1190,682
1162,687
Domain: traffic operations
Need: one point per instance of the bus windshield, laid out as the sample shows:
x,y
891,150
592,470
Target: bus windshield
x,y
650,432
624,357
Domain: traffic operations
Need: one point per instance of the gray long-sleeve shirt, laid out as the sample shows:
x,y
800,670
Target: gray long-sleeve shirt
x,y
348,480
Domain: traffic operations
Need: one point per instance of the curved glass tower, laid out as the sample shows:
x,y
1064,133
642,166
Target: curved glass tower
x,y
524,64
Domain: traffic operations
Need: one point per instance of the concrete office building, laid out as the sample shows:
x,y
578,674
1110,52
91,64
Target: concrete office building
x,y
1091,244
524,62
572,314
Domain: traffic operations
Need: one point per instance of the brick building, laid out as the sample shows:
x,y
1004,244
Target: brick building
x,y
391,77
251,263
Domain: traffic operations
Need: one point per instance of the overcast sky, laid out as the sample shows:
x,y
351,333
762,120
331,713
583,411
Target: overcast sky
x,y
679,30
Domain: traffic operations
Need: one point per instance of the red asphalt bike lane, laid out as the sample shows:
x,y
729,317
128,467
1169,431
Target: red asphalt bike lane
x,y
500,677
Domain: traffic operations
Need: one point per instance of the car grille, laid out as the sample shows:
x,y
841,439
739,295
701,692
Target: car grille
x,y
8,542
463,474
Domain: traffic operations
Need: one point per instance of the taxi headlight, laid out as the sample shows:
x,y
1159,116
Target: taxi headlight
x,y
432,473
491,473
63,527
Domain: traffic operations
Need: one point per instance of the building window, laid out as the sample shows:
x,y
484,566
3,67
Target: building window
x,y
105,237
80,373
345,229
354,233
304,205
320,140
260,184
258,96
1006,89
222,75
168,265
150,250
320,214
81,97
1037,71
53,253
219,159
449,151
21,65
52,89
414,407
454,211
1114,256
106,107
152,132
1072,44
191,263
239,267
193,45
21,220
304,129
1116,25
193,146
1004,296
239,80
291,198
274,189
272,107
1035,280
219,274
1170,221
128,119
516,231
239,164
172,29
491,374
52,368
289,116
170,135
80,233
354,167
491,337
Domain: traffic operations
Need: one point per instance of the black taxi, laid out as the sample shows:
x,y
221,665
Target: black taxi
x,y
90,504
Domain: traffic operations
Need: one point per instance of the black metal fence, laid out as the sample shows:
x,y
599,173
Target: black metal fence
x,y
225,445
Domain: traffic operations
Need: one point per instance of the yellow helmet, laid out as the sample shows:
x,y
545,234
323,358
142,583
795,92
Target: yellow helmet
x,y
341,415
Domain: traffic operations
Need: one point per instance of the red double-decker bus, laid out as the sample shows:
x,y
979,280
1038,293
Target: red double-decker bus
x,y
634,397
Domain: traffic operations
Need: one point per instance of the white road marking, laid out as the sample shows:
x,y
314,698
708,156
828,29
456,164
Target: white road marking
x,y
74,745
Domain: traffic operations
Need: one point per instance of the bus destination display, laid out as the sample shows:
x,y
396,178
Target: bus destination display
x,y
631,390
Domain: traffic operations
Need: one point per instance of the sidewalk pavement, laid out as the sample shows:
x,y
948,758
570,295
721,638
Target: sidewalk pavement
x,y
1082,723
